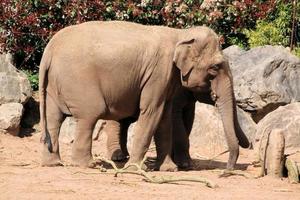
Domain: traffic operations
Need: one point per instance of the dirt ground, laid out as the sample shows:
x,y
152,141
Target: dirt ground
x,y
21,177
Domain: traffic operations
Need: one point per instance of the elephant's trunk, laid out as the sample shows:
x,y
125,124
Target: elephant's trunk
x,y
223,88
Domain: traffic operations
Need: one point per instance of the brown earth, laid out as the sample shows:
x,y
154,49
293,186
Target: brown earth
x,y
21,177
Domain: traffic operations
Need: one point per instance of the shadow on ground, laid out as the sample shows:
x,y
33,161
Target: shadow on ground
x,y
198,165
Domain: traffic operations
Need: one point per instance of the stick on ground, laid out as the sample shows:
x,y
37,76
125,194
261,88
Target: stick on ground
x,y
155,179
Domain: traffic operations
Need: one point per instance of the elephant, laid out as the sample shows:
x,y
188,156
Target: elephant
x,y
114,70
183,114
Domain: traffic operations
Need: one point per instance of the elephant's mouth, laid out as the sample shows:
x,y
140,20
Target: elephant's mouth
x,y
199,89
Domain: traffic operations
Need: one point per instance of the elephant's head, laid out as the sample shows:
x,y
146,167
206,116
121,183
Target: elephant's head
x,y
204,68
198,57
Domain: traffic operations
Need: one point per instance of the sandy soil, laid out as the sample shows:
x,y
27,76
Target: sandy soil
x,y
21,177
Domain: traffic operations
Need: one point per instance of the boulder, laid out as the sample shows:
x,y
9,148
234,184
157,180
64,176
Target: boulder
x,y
67,130
264,78
277,144
208,136
285,118
10,117
233,52
15,86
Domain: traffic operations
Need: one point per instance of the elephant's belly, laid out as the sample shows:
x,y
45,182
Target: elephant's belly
x,y
122,109
117,114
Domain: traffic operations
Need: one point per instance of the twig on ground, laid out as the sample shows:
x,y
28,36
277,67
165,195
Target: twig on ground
x,y
20,164
155,179
227,173
282,190
215,156
212,158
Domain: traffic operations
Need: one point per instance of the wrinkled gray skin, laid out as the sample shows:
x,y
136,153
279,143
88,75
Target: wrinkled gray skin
x,y
182,117
113,70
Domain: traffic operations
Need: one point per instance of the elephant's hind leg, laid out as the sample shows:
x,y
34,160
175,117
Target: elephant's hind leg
x,y
182,125
163,142
82,146
54,119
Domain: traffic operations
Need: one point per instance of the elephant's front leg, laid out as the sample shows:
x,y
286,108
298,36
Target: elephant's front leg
x,y
147,124
163,141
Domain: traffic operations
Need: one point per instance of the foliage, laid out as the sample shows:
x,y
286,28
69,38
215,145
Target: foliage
x,y
230,18
267,34
275,29
33,78
296,51
27,25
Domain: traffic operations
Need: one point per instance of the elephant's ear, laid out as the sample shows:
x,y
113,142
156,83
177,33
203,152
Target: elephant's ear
x,y
183,56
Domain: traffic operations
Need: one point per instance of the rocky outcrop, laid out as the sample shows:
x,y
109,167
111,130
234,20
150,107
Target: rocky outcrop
x,y
278,142
264,78
15,86
15,90
10,117
287,119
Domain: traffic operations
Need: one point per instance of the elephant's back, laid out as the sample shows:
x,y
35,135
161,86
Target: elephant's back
x,y
88,32
117,34
105,46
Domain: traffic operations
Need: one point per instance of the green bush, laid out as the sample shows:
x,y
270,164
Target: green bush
x,y
296,51
267,33
275,29
33,78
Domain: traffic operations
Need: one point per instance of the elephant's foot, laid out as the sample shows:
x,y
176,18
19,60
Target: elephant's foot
x,y
51,160
118,156
166,165
135,166
85,161
185,164
183,161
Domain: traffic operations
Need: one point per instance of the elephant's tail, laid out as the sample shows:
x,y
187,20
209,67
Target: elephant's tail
x,y
43,81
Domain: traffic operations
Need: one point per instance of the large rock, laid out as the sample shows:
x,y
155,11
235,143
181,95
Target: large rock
x,y
15,86
264,78
208,136
287,119
15,90
10,117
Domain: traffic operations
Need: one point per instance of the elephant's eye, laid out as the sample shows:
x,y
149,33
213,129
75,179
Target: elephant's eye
x,y
213,70
215,67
